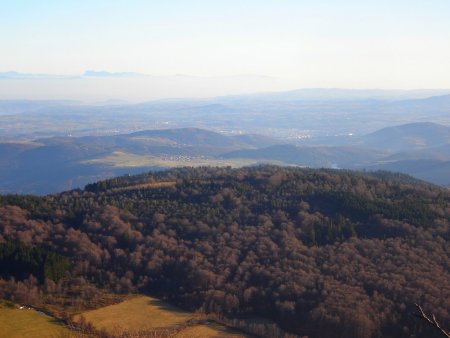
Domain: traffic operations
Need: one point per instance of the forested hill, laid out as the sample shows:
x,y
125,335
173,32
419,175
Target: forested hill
x,y
323,253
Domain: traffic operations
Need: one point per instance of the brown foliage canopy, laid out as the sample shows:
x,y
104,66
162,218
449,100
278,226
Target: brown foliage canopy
x,y
321,252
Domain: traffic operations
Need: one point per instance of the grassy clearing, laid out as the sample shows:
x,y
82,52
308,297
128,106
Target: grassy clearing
x,y
146,185
126,160
23,142
146,313
16,323
137,313
208,331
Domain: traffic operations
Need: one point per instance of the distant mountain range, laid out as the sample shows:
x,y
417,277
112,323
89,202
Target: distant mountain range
x,y
103,73
101,85
87,73
336,94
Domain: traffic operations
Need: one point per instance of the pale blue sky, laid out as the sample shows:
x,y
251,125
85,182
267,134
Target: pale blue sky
x,y
341,43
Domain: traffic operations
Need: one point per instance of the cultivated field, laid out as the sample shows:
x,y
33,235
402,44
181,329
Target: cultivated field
x,y
147,313
16,323
121,159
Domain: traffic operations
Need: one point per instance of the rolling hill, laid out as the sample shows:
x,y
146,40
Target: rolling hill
x,y
48,165
64,163
336,157
435,171
322,253
408,136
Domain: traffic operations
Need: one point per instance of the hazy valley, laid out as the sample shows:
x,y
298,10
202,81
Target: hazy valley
x,y
51,146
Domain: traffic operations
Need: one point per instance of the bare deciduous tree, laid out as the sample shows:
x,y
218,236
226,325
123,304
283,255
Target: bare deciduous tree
x,y
432,321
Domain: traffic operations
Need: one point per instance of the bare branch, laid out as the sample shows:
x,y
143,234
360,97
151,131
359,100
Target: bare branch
x,y
433,322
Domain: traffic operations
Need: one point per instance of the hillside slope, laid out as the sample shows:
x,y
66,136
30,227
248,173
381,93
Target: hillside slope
x,y
409,136
323,253
62,163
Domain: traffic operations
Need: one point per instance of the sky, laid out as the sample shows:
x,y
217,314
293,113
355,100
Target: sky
x,y
296,43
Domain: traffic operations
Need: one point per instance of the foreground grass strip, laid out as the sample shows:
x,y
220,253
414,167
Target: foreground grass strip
x,y
27,323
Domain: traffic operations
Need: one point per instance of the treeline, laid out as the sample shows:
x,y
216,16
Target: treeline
x,y
323,253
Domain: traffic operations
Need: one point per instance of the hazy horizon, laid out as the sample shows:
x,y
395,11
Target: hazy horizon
x,y
297,44
133,88
99,86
